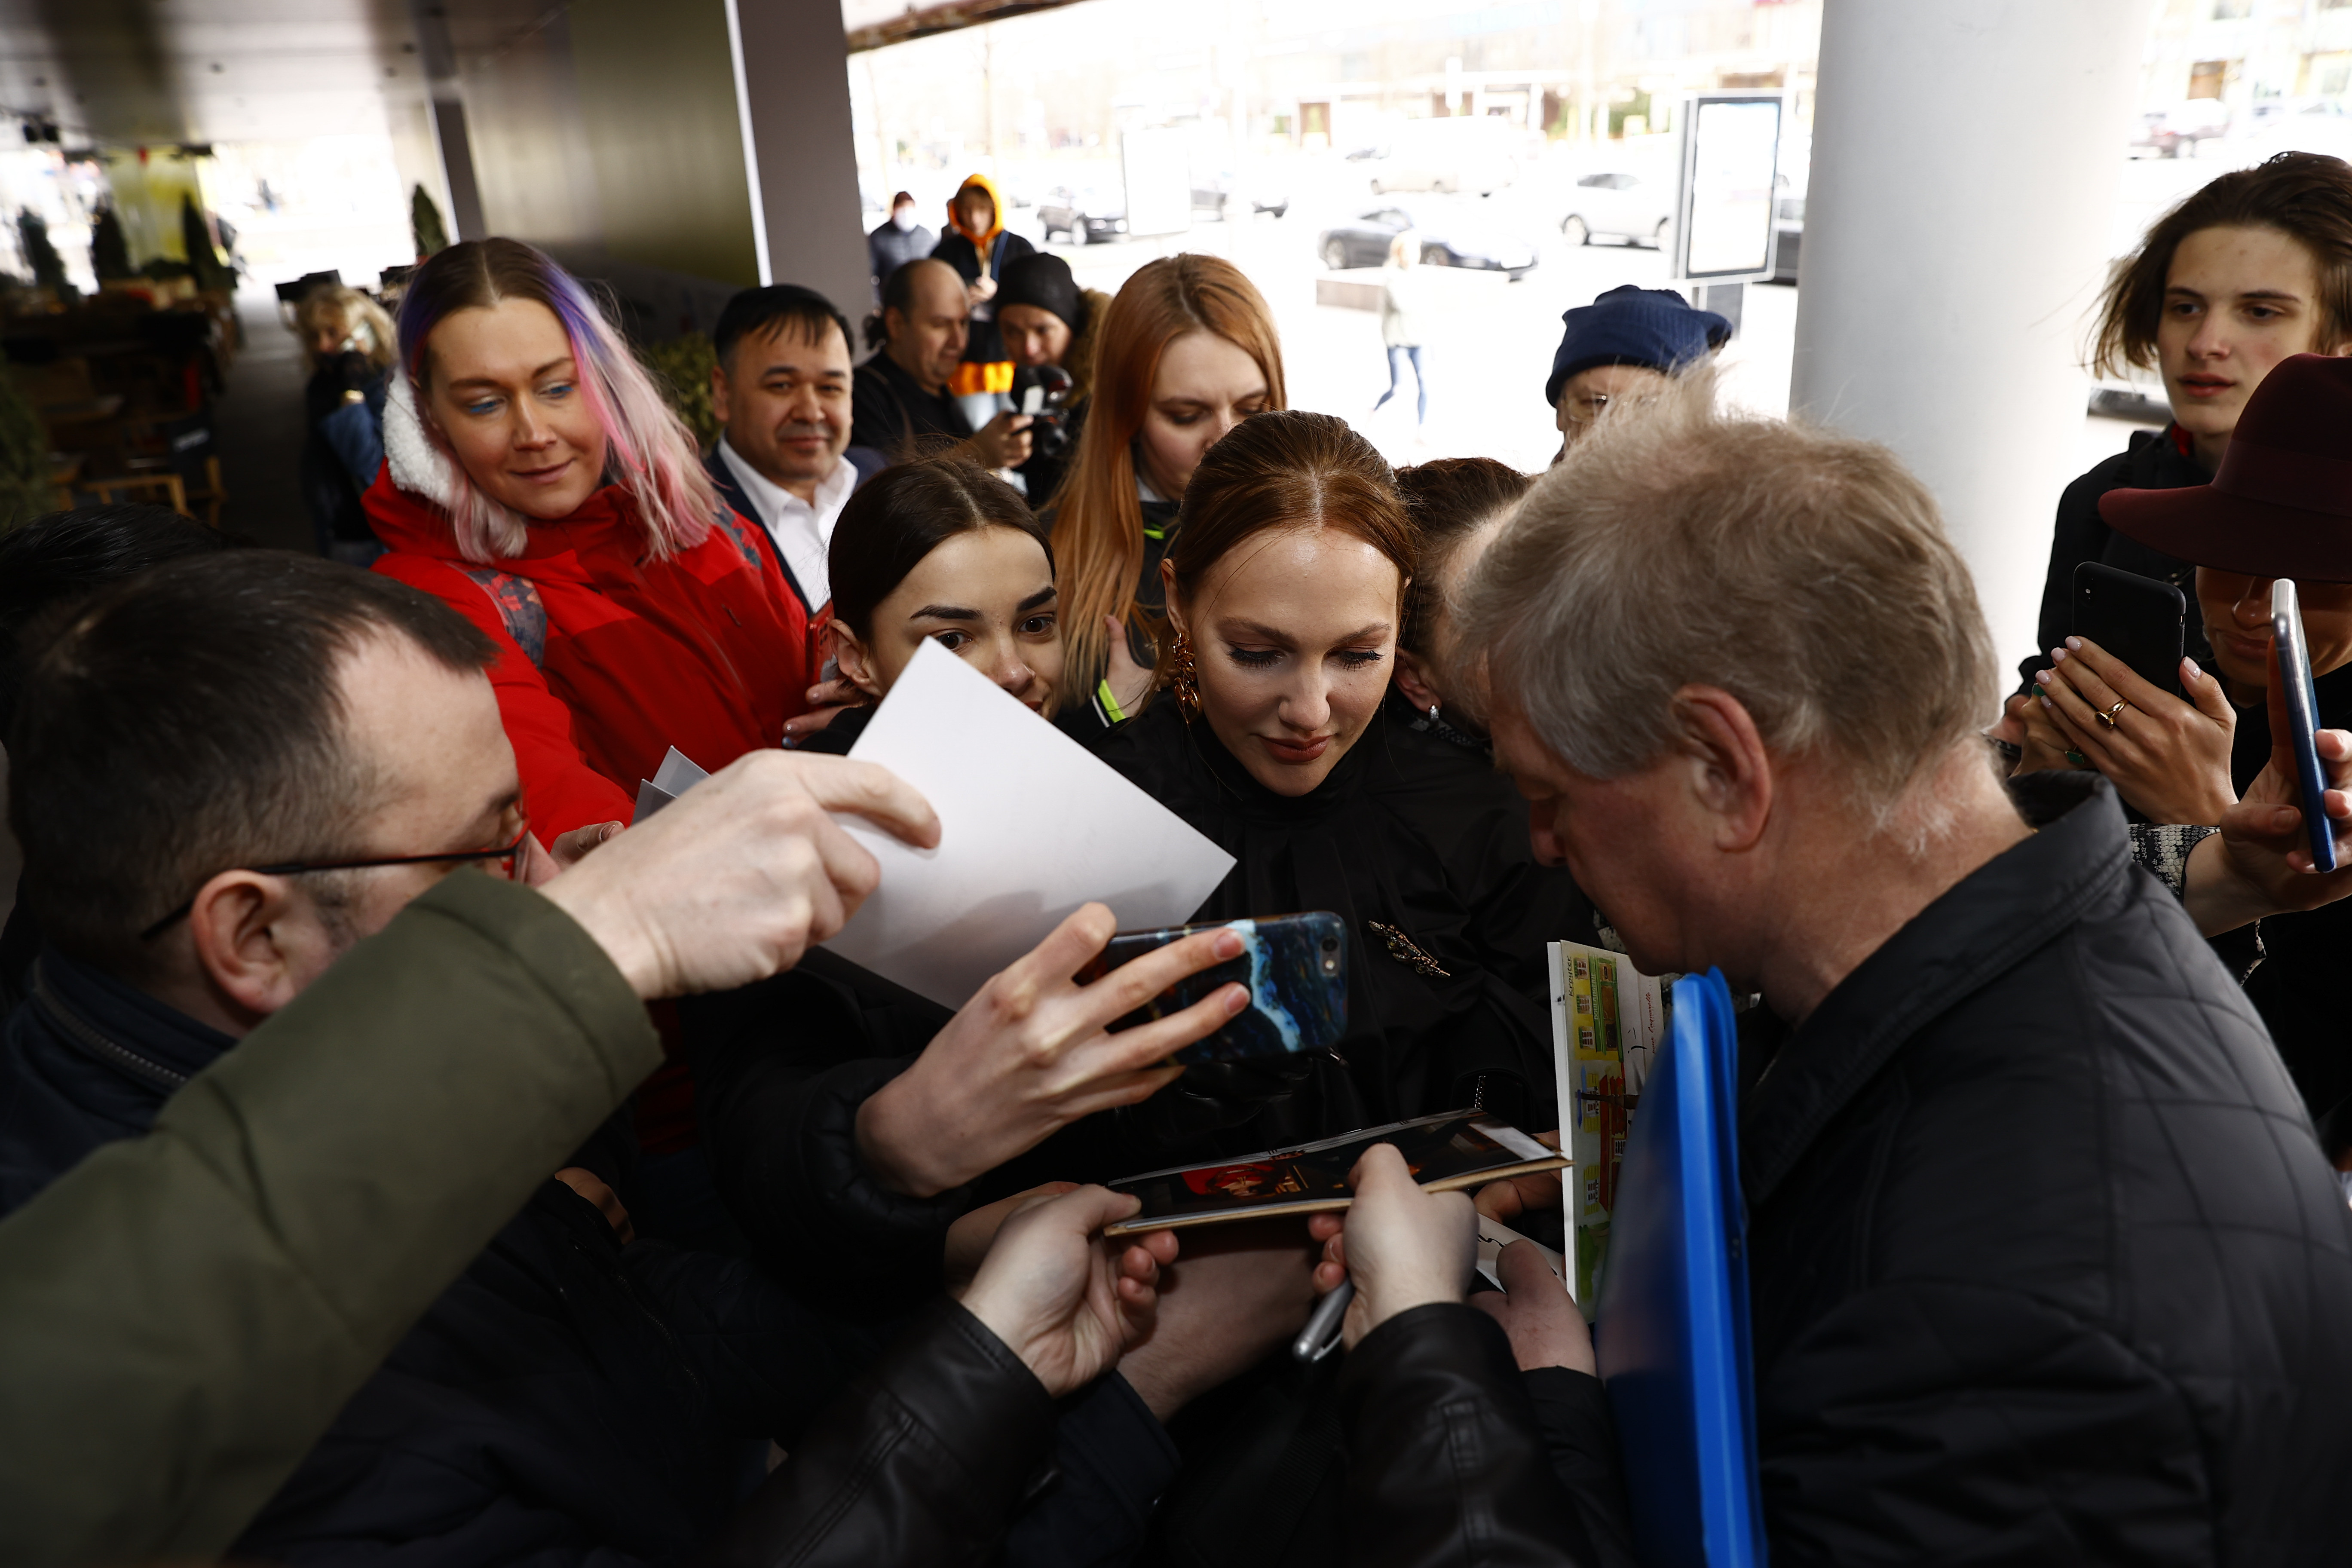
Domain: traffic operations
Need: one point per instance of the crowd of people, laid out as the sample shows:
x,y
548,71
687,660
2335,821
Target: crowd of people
x,y
359,1205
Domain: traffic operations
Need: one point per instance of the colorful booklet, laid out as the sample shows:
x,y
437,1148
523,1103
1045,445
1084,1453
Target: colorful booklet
x,y
1608,1024
1455,1149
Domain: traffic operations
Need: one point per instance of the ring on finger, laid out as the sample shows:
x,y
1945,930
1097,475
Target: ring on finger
x,y
2107,716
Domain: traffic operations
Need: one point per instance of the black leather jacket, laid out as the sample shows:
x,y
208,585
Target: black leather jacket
x,y
922,1460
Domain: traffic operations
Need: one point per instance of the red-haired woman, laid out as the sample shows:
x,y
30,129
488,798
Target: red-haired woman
x,y
1285,590
534,479
1186,352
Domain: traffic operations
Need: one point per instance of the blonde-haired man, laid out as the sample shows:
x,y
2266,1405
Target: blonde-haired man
x,y
2046,1263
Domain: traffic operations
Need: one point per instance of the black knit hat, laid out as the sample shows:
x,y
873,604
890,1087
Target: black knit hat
x,y
1045,282
1655,328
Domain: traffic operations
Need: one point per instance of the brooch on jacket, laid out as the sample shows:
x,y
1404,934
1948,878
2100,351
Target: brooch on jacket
x,y
1407,951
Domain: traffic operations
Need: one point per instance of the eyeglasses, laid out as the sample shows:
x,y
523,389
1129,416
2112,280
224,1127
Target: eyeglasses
x,y
1590,406
300,868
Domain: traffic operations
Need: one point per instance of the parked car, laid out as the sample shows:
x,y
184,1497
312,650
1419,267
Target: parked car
x,y
1226,196
1082,216
1447,239
1620,204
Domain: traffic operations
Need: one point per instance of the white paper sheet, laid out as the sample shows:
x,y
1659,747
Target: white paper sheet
x,y
1031,826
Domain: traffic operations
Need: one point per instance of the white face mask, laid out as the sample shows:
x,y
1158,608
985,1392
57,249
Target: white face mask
x,y
903,219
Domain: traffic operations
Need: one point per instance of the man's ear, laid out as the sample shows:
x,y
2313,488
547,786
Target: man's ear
x,y
239,922
1730,768
1413,679
718,392
857,663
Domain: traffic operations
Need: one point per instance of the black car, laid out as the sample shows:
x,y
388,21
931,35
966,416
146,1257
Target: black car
x,y
1444,242
1081,217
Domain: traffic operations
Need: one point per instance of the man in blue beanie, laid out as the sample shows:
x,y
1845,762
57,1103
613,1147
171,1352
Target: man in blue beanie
x,y
1629,340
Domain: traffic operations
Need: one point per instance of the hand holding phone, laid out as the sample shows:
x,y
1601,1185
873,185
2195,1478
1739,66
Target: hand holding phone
x,y
2138,619
1295,966
2291,669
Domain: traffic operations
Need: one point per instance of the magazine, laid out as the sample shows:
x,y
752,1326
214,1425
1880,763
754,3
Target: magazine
x,y
1453,1149
1608,1024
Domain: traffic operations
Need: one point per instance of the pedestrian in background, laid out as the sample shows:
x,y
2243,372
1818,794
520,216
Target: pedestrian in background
x,y
1405,310
347,345
979,247
897,242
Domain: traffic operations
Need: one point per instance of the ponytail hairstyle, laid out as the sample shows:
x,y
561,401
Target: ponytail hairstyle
x,y
1288,469
1098,518
648,452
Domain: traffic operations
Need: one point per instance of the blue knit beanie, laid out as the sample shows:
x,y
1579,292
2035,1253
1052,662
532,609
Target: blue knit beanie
x,y
1655,328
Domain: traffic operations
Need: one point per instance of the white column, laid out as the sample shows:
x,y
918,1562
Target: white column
x,y
1966,157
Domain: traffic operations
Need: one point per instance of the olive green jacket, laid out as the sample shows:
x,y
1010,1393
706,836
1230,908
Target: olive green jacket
x,y
182,1315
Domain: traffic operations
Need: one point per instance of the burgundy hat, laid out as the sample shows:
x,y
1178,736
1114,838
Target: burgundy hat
x,y
2282,504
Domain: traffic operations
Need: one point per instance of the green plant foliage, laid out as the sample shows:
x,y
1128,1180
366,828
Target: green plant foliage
x,y
110,249
682,368
424,225
23,458
48,266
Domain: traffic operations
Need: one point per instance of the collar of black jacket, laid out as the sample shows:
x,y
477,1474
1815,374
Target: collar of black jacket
x,y
1984,926
92,1013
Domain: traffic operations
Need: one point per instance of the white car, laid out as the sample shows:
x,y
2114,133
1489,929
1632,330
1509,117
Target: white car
x,y
1620,204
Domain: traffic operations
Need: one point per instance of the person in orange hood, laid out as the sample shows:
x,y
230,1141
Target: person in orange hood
x,y
978,246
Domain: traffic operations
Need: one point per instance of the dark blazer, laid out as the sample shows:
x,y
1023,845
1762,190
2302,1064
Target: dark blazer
x,y
867,463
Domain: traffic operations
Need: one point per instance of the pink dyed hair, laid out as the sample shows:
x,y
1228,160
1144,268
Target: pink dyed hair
x,y
647,451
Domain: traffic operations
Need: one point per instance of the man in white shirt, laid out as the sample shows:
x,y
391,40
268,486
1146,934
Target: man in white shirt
x,y
782,388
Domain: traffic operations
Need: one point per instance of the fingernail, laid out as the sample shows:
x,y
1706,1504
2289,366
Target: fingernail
x,y
1236,998
2188,667
2045,702
2074,642
2057,656
1229,944
2047,676
2038,691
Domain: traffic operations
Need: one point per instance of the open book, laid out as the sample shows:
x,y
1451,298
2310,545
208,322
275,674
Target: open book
x,y
1453,1149
1608,1022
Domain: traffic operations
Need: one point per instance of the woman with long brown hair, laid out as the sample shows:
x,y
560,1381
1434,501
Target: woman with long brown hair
x,y
1186,352
1286,591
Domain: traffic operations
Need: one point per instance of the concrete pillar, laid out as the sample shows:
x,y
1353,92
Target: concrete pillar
x,y
1966,157
792,85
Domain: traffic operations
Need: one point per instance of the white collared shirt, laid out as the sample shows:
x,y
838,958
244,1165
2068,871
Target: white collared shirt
x,y
803,533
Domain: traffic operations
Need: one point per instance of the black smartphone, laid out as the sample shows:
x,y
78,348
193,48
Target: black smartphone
x,y
2138,619
1295,967
2302,720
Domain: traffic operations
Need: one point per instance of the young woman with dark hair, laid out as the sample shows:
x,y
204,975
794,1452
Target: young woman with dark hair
x,y
1457,505
2254,266
1286,588
944,551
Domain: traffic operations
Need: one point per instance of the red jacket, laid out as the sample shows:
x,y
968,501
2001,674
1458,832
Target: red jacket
x,y
709,651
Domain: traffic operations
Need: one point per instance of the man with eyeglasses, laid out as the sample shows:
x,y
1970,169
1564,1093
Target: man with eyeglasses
x,y
1621,349
228,774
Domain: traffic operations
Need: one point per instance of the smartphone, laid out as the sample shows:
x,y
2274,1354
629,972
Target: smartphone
x,y
2302,720
2138,619
1295,967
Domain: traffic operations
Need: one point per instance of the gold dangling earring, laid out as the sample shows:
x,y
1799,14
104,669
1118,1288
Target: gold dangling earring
x,y
1183,679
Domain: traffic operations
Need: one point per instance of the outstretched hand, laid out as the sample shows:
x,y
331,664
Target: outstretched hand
x,y
1034,1052
1065,1299
2260,863
1403,1246
1536,1311
2170,759
741,874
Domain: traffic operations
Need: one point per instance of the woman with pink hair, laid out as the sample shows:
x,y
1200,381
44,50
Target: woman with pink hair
x,y
535,480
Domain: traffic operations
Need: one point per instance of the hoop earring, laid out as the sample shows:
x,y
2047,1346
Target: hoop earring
x,y
1183,679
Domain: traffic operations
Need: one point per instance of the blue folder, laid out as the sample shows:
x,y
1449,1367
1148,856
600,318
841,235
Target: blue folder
x,y
1671,1332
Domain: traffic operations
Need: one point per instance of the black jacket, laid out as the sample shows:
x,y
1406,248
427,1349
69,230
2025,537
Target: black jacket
x,y
2045,1264
890,415
2151,462
889,248
568,1400
1422,850
985,343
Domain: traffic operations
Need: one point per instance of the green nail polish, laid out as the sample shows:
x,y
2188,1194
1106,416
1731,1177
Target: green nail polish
x,y
2039,692
2078,759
